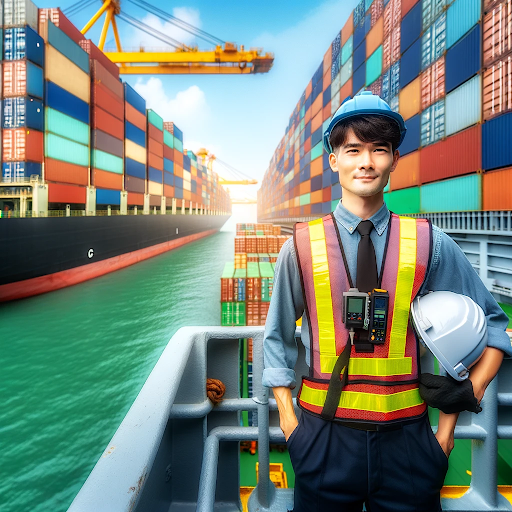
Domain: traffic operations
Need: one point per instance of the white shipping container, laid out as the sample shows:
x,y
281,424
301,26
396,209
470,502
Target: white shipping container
x,y
134,151
186,185
186,175
433,123
431,9
336,84
433,42
464,105
335,102
18,13
61,71
346,72
155,189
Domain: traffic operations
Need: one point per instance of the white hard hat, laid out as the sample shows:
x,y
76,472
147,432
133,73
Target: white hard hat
x,y
453,327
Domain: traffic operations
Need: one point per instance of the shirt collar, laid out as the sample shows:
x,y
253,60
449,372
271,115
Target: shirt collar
x,y
349,221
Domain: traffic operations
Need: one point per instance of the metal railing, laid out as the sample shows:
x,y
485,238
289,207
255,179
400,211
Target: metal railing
x,y
485,222
169,448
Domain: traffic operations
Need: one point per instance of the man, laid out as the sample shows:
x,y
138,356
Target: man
x,y
364,435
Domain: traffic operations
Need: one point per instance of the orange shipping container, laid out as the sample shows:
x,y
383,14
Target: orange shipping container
x,y
317,105
454,156
305,187
328,60
155,147
316,167
132,115
407,5
178,170
105,179
326,80
106,122
496,187
375,36
497,88
178,158
307,145
316,196
346,89
168,153
432,84
155,161
155,133
63,172
107,100
67,194
135,199
348,29
309,88
22,144
326,112
409,99
407,172
316,122
497,33
168,191
307,115
14,78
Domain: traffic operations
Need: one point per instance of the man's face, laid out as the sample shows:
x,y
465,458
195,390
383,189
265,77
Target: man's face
x,y
363,167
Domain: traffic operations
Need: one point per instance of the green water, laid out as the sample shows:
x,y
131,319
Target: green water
x,y
74,360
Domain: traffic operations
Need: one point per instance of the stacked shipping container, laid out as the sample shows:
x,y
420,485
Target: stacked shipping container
x,y
155,158
424,58
175,138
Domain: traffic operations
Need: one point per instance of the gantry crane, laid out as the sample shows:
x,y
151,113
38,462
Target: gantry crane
x,y
226,58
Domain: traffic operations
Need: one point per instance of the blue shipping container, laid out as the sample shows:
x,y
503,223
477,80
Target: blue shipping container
x,y
178,134
336,191
135,169
63,101
411,27
178,182
134,98
169,165
193,187
358,36
316,183
35,80
326,178
411,140
326,207
108,197
327,96
463,60
155,175
359,79
62,42
359,55
23,43
496,147
316,136
168,178
462,15
11,170
325,161
359,14
186,163
410,64
22,112
134,134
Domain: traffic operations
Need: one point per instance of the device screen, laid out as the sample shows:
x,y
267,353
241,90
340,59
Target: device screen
x,y
380,303
355,305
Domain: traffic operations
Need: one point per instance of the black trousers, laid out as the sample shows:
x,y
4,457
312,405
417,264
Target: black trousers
x,y
338,468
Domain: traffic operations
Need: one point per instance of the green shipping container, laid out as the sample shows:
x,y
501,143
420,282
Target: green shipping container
x,y
65,150
168,139
155,119
406,200
178,145
304,199
253,270
374,66
456,195
106,161
240,273
66,126
229,270
267,281
317,151
233,313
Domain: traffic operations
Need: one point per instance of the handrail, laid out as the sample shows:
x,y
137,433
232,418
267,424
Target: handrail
x,y
119,477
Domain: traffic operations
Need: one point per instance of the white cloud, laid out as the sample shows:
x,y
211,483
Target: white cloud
x,y
191,16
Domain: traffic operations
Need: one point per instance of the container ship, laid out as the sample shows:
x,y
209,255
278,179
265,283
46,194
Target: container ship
x,y
92,180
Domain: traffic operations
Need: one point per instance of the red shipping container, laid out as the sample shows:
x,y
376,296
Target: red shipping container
x,y
376,11
135,199
107,100
63,172
497,88
407,172
497,31
407,5
155,200
68,194
155,133
346,89
22,144
101,75
157,148
178,158
56,16
133,184
392,16
376,87
96,54
155,161
326,194
168,152
14,78
391,48
432,83
105,179
168,191
132,115
102,120
496,187
454,156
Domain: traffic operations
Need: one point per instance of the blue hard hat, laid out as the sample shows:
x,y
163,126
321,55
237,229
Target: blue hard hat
x,y
362,103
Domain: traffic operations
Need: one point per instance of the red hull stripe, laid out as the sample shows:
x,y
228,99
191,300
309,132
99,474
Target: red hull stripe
x,y
51,282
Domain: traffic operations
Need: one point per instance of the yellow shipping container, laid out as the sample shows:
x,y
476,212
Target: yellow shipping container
x,y
134,151
410,99
155,189
66,74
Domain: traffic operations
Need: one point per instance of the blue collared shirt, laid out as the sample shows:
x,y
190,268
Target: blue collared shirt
x,y
449,270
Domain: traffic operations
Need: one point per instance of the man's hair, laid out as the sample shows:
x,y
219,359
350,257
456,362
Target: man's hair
x,y
367,128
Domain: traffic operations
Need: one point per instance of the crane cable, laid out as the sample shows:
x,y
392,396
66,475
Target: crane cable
x,y
77,7
230,168
177,22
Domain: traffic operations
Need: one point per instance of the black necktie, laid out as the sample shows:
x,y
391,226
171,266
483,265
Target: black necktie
x,y
367,278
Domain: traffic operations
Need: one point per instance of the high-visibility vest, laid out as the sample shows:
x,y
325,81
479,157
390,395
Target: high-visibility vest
x,y
382,385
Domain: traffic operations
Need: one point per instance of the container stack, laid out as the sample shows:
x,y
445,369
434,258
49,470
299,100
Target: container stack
x,y
135,157
178,161
424,59
247,283
22,106
155,156
67,132
168,167
107,128
187,177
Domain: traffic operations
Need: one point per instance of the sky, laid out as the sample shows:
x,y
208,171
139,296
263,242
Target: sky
x,y
240,119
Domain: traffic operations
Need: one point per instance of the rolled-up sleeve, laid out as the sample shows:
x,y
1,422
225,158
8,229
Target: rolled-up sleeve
x,y
286,306
452,271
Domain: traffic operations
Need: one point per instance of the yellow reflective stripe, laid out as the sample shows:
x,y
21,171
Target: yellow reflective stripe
x,y
322,285
403,291
364,401
378,367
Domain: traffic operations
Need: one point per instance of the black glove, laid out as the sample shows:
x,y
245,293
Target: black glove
x,y
447,394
